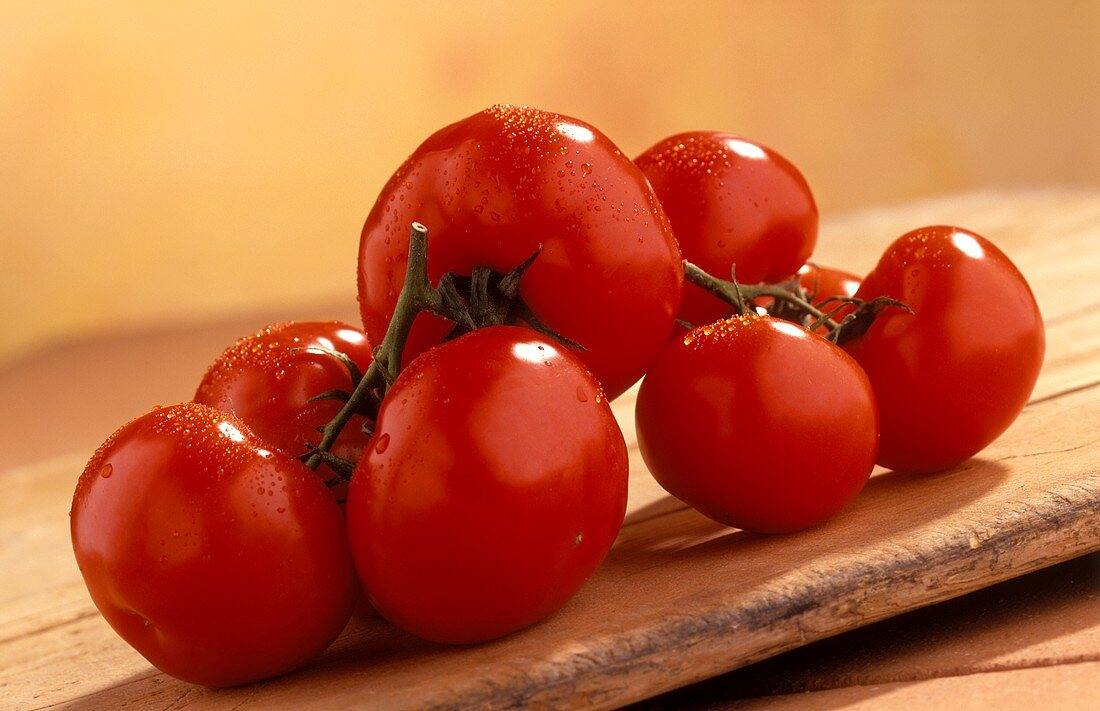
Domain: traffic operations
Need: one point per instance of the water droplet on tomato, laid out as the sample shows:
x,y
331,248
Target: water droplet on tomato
x,y
382,443
105,470
586,168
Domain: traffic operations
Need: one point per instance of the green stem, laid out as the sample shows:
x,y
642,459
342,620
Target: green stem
x,y
417,294
728,291
740,295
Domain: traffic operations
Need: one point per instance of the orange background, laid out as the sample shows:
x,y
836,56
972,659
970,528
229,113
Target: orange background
x,y
166,162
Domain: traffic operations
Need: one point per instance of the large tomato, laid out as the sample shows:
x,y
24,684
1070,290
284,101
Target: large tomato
x,y
491,189
758,423
731,202
954,374
267,379
495,485
219,559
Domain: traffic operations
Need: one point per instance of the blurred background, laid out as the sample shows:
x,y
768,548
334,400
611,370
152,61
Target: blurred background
x,y
171,162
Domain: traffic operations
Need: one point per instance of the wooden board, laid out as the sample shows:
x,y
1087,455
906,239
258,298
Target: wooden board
x,y
680,598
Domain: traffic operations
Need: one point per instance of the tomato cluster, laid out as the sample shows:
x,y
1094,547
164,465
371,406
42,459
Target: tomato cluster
x,y
456,466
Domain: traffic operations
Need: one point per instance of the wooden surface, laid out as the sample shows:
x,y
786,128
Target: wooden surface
x,y
679,599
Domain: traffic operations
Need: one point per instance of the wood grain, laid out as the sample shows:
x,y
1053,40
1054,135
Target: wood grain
x,y
680,598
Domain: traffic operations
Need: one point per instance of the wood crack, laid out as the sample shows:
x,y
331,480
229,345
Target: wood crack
x,y
50,627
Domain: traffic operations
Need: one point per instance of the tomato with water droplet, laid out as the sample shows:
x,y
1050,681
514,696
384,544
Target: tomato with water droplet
x,y
269,378
954,374
500,488
758,423
731,202
217,557
609,276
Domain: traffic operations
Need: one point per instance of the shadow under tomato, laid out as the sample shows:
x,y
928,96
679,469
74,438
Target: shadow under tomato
x,y
890,506
366,644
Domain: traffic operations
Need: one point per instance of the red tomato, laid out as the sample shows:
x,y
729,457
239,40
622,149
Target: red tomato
x,y
954,374
824,283
268,378
495,485
491,189
221,561
731,201
758,423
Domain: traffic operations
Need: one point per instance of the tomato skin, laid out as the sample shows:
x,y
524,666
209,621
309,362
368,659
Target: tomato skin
x,y
758,423
495,486
731,201
492,188
220,561
952,376
267,379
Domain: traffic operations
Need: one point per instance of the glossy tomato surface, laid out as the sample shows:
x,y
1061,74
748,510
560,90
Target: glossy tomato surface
x,y
758,423
219,560
494,487
268,378
954,374
492,188
731,202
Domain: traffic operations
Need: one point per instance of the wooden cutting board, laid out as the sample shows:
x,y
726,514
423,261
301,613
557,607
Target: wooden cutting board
x,y
680,598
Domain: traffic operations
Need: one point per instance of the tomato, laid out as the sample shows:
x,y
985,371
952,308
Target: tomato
x,y
824,283
219,559
268,378
758,423
495,485
492,188
731,202
954,374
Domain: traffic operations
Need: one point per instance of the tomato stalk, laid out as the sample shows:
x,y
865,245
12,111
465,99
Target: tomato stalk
x,y
485,298
792,302
417,294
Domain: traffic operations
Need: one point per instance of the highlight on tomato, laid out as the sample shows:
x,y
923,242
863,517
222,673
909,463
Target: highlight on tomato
x,y
758,423
496,187
951,376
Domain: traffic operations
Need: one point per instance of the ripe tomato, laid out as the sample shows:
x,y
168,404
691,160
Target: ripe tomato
x,y
954,374
758,423
221,561
495,485
268,378
823,283
731,201
491,189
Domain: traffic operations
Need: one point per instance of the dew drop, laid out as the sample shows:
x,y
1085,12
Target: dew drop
x,y
106,470
382,443
586,168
